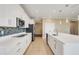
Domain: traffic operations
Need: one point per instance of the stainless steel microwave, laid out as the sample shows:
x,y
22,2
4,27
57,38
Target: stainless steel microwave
x,y
20,22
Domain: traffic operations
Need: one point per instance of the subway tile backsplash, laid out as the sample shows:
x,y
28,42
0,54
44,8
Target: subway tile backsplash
x,y
11,30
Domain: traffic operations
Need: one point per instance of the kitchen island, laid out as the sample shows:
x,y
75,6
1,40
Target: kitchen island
x,y
64,44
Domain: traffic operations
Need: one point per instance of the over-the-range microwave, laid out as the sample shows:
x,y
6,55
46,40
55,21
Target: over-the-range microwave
x,y
20,22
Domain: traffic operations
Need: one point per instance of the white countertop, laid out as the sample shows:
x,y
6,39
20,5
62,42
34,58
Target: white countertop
x,y
67,38
2,38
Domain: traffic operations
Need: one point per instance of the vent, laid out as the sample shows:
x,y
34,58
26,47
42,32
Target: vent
x,y
67,5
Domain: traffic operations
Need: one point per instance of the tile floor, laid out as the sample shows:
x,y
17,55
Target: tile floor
x,y
38,47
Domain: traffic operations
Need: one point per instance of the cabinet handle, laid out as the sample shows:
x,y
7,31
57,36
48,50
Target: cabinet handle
x,y
55,43
18,49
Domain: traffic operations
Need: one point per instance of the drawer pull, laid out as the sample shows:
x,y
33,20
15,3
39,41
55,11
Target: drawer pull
x,y
18,49
55,43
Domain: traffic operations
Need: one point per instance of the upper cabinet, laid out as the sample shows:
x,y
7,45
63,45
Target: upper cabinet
x,y
8,14
24,17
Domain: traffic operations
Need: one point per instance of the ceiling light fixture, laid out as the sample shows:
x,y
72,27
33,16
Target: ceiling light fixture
x,y
60,22
67,5
78,17
67,20
60,10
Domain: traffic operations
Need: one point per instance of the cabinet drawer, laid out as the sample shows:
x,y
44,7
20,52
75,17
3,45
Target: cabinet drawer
x,y
52,43
59,48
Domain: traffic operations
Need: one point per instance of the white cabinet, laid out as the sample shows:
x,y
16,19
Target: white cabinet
x,y
52,43
55,45
8,14
3,22
22,44
15,45
11,22
59,48
8,22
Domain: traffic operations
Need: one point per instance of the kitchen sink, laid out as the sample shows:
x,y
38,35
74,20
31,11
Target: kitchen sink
x,y
21,35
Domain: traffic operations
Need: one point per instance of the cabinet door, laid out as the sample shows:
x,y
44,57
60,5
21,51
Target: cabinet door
x,y
22,46
7,15
11,14
29,38
54,44
12,22
3,22
51,43
25,41
59,48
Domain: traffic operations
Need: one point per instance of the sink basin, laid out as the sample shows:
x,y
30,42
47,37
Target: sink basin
x,y
54,34
21,35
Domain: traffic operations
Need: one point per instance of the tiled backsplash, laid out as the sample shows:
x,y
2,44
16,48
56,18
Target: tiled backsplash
x,y
11,30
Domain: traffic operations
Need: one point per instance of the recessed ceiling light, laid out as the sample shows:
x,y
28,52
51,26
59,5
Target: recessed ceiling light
x,y
67,20
78,17
60,10
67,5
60,22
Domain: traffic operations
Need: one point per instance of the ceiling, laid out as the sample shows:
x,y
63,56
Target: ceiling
x,y
52,10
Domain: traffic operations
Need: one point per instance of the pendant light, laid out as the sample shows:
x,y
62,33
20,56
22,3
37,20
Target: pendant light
x,y
60,22
67,20
78,17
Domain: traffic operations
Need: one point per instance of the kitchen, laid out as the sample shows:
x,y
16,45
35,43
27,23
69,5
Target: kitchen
x,y
13,23
22,26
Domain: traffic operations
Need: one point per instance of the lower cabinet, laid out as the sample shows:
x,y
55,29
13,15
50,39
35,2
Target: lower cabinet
x,y
52,43
15,45
23,44
59,49
55,45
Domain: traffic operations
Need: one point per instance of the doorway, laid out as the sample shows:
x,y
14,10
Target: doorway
x,y
38,28
74,27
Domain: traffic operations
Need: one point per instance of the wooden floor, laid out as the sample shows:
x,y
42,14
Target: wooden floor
x,y
38,47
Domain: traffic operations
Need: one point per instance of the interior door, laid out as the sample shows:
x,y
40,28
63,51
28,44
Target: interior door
x,y
74,27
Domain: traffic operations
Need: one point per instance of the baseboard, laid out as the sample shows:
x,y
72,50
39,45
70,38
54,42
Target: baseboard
x,y
38,35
